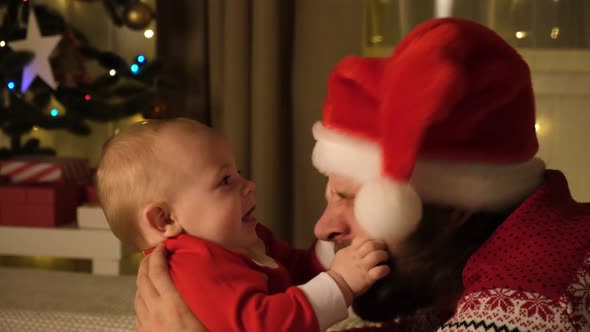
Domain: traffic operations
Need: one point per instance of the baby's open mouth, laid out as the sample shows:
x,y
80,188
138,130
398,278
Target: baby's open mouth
x,y
249,216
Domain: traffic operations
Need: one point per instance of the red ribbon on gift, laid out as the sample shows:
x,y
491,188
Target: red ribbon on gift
x,y
46,171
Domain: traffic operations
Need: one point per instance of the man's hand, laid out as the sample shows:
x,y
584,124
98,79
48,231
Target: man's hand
x,y
158,305
358,263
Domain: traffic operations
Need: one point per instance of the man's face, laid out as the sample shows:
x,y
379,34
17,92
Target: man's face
x,y
414,265
338,223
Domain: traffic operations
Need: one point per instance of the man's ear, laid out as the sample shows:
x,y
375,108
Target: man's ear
x,y
158,216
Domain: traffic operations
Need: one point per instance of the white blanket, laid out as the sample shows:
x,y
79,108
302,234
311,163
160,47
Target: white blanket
x,y
37,300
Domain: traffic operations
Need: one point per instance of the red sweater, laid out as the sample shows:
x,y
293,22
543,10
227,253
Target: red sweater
x,y
228,291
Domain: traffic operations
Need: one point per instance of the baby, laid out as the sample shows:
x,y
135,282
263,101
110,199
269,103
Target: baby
x,y
176,181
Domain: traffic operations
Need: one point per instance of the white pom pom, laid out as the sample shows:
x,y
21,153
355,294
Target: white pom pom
x,y
388,210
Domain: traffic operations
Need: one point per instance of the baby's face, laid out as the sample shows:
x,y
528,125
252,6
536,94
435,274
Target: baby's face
x,y
214,201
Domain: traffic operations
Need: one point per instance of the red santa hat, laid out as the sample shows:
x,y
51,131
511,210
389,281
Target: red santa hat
x,y
448,118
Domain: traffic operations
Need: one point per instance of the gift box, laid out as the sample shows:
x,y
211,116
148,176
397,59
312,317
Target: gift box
x,y
39,205
45,169
90,194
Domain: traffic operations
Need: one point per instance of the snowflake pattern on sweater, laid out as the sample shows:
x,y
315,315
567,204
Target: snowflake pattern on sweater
x,y
533,274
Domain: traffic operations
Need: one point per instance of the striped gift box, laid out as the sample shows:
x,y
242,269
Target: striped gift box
x,y
65,170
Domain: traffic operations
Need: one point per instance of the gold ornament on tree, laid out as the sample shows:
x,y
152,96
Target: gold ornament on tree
x,y
137,15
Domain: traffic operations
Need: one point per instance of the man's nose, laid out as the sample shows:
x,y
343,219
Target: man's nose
x,y
332,226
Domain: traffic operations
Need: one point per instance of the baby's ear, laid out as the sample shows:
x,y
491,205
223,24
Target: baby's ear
x,y
158,217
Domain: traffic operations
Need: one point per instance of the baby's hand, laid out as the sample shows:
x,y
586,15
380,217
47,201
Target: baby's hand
x,y
358,263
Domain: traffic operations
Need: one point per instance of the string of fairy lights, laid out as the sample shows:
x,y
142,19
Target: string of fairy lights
x,y
135,68
135,18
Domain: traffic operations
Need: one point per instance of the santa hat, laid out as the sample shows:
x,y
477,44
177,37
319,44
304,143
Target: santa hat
x,y
448,119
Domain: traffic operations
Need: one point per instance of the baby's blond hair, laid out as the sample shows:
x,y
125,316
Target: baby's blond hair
x,y
130,174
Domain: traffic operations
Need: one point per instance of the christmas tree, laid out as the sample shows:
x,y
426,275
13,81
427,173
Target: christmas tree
x,y
45,83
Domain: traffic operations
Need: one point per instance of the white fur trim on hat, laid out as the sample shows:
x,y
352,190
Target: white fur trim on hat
x,y
335,153
387,210
477,187
472,186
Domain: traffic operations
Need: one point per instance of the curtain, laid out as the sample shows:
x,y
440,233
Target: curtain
x,y
181,41
249,48
324,32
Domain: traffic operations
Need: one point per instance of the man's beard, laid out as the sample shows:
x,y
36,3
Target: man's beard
x,y
398,294
341,244
427,271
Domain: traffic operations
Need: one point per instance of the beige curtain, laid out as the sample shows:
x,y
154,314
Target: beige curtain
x,y
268,62
324,32
181,40
248,72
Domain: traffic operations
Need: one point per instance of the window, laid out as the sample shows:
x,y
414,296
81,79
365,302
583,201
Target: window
x,y
561,24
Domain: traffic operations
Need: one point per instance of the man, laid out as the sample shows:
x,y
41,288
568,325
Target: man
x,y
432,150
